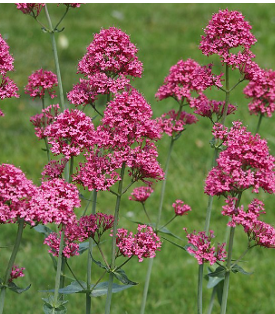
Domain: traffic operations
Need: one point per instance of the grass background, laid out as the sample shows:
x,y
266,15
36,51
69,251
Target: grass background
x,y
164,33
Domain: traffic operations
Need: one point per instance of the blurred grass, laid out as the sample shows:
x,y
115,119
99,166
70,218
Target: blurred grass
x,y
164,33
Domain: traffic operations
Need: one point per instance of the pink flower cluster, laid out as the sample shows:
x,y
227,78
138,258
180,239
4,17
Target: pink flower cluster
x,y
16,272
54,169
41,81
172,123
227,30
210,108
8,88
181,208
185,78
262,91
141,194
33,9
202,248
42,120
244,163
15,193
257,231
92,226
143,244
70,133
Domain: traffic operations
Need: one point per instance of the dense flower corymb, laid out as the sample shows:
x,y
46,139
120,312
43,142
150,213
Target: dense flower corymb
x,y
202,248
16,272
227,30
244,163
181,208
112,53
141,194
41,81
33,9
143,244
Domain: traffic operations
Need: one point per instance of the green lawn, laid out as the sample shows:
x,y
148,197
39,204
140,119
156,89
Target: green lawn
x,y
164,33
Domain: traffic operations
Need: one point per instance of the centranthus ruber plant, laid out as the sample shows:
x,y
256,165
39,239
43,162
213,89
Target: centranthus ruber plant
x,y
102,140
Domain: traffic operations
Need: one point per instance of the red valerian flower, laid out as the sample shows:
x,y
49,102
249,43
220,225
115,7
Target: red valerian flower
x,y
33,9
16,272
141,194
181,208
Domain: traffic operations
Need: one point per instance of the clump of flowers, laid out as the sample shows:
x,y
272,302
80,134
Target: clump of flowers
x,y
33,9
141,194
40,82
8,88
143,244
16,272
186,77
54,169
181,208
244,163
15,193
225,31
173,123
262,91
203,250
70,133
42,120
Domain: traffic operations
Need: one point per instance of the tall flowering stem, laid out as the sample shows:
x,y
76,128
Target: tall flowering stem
x,y
11,263
60,86
111,276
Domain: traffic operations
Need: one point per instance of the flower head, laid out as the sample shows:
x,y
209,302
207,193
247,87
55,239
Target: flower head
x,y
181,208
141,194
227,30
16,272
33,9
112,53
6,60
40,82
244,163
143,244
202,248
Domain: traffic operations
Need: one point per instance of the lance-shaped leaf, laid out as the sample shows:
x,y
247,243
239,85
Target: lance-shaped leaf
x,y
43,229
13,287
238,269
73,287
122,277
49,308
102,288
214,280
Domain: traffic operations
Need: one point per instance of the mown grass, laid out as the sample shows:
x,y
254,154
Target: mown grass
x,y
164,33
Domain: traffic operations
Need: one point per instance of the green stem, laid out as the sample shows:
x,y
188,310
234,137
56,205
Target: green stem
x,y
56,61
111,276
227,93
45,138
211,303
146,286
90,260
58,269
200,279
168,222
145,211
67,9
259,123
11,263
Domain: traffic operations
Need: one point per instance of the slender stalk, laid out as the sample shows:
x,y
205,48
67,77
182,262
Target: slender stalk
x,y
211,303
200,279
56,61
168,222
111,276
11,263
146,286
259,123
145,211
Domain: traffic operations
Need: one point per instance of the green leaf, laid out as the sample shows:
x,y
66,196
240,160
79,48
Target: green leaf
x,y
219,289
99,264
73,287
121,276
218,272
102,288
48,309
213,281
13,287
166,231
43,229
239,269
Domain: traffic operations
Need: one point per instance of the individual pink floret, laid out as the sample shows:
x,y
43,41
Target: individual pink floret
x,y
40,82
227,30
186,77
33,9
245,162
141,194
203,250
16,272
181,208
112,53
143,244
70,133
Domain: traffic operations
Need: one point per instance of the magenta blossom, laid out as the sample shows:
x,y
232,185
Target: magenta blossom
x,y
112,53
181,208
225,31
8,88
262,91
143,244
54,169
33,9
40,82
186,77
16,272
244,163
202,248
70,133
141,194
